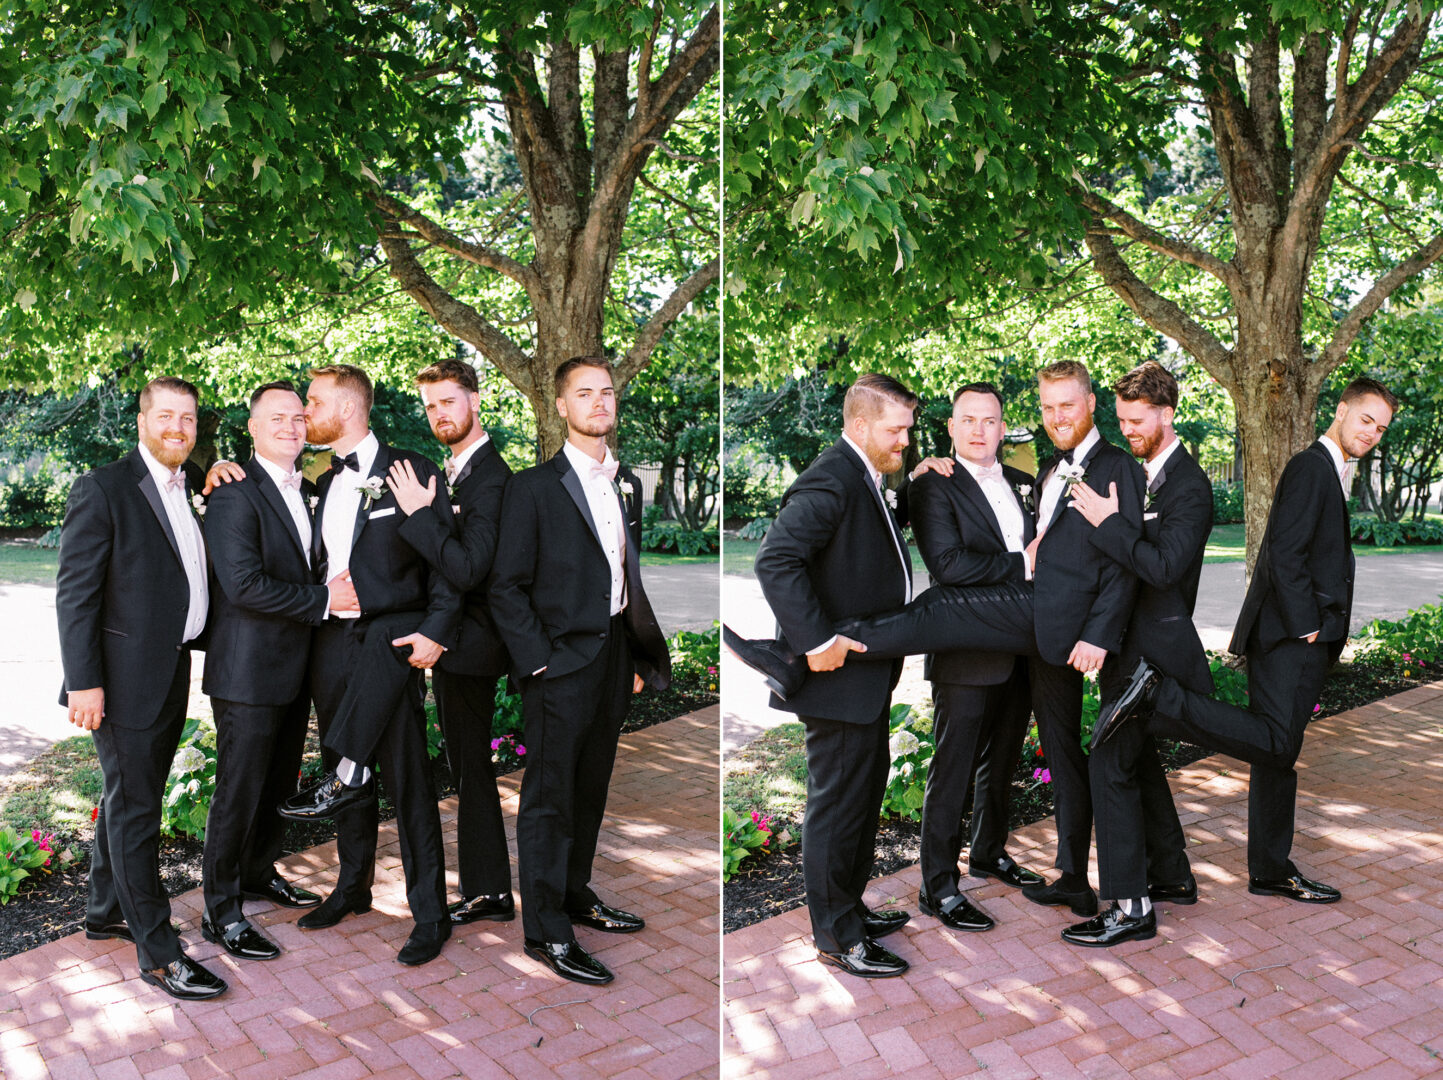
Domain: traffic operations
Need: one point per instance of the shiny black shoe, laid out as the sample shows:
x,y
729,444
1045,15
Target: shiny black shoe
x,y
956,912
332,910
1007,871
1082,901
425,942
877,924
866,960
240,939
1184,892
784,671
608,920
282,893
569,960
327,797
104,931
498,908
185,979
1112,927
1136,699
1295,887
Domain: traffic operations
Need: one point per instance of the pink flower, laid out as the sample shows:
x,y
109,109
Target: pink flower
x,y
495,744
1045,775
1317,709
520,749
1408,657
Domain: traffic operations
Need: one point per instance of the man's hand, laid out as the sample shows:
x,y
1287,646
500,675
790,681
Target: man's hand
x,y
1094,507
638,684
86,707
943,466
343,593
1030,553
222,472
1086,657
410,495
1312,637
835,655
424,651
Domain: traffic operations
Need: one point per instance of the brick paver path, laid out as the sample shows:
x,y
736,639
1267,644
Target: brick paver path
x,y
1350,989
337,1005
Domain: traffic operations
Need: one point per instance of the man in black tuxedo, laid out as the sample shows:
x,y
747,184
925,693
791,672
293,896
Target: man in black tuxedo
x,y
264,604
566,593
1141,854
836,552
972,528
131,599
465,679
1292,628
367,687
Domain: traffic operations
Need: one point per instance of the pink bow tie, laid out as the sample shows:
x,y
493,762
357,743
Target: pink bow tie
x,y
991,472
293,481
605,468
175,481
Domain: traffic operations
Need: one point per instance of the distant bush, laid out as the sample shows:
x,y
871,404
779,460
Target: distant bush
x,y
1228,503
33,501
1371,530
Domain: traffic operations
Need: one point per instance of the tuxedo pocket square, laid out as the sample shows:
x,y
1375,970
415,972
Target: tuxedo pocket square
x,y
1150,517
381,513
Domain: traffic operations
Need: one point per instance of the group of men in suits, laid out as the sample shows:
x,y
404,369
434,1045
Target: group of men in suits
x,y
1094,570
343,595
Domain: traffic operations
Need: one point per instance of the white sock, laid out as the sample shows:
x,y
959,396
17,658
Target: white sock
x,y
1144,906
352,774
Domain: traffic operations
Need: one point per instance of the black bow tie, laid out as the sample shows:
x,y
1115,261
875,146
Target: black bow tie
x,y
350,461
1067,455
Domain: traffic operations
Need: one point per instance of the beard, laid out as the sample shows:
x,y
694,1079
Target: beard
x,y
1149,445
1080,430
323,433
596,427
884,460
168,455
453,434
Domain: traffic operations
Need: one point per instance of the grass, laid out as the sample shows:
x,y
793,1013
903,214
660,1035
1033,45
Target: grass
x,y
769,773
54,791
671,558
26,564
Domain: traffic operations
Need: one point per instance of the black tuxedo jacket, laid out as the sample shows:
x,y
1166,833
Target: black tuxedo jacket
x,y
961,543
120,593
1166,555
831,555
550,584
1081,594
264,599
389,574
465,558
1303,580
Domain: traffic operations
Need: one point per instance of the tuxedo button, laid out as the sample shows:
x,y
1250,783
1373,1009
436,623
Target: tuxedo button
x,y
602,635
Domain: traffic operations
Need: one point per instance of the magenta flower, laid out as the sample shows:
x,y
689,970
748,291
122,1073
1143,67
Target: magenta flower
x,y
520,749
1045,775
495,744
1317,709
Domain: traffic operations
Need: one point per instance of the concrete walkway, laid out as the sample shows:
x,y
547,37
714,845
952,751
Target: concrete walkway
x,y
1236,987
337,1005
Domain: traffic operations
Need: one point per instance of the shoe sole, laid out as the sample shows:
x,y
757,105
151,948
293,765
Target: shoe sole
x,y
508,917
96,936
1175,901
541,959
1146,936
1290,896
181,997
998,877
1087,911
418,963
328,925
281,903
864,974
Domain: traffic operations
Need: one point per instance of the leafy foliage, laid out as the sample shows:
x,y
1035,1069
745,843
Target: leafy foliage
x,y
1228,505
1413,643
911,746
191,783
21,856
744,835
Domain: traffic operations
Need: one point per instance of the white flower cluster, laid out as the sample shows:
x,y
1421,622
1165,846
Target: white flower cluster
x,y
188,759
902,743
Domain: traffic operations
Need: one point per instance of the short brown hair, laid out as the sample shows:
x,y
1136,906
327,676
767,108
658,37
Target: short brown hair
x,y
350,378
867,395
261,391
167,382
1363,387
1066,369
979,388
1149,382
564,370
450,370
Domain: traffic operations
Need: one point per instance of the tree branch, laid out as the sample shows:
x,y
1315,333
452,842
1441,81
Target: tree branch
x,y
1149,237
647,338
1372,300
438,235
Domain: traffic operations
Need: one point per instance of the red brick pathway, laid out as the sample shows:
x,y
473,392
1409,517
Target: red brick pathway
x,y
1351,989
337,1005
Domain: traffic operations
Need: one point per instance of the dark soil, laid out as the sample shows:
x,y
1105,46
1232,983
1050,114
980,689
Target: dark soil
x,y
772,885
52,906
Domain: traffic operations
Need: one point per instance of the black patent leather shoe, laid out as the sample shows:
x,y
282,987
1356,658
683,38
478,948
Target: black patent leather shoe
x,y
956,912
1112,927
282,893
877,924
569,960
1006,871
185,979
327,797
608,920
104,931
332,910
784,671
1295,887
1136,699
240,939
425,942
866,960
498,908
1184,892
1082,901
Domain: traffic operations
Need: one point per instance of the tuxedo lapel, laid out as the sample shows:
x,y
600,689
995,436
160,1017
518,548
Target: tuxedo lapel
x,y
487,448
363,512
277,502
973,492
152,495
318,543
572,483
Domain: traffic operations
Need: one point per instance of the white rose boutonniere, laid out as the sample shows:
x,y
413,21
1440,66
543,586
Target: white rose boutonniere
x,y
624,487
891,497
1024,496
1071,474
314,501
371,490
197,503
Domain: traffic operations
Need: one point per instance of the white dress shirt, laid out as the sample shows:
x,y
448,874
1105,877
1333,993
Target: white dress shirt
x,y
294,503
604,503
1341,464
1153,467
338,515
1002,499
457,462
1053,487
188,539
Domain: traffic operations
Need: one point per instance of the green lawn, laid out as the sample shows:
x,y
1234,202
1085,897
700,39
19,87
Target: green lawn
x,y
26,564
671,558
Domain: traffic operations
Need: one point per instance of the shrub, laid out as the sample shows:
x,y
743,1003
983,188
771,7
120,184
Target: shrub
x,y
192,781
1370,530
911,745
35,500
746,835
661,536
694,657
21,855
1412,644
755,529
1228,503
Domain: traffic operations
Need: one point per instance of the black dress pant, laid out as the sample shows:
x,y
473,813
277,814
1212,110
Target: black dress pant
x,y
258,751
978,732
125,880
847,768
572,724
1283,687
465,705
336,653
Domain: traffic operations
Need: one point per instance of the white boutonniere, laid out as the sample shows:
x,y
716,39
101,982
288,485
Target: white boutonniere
x,y
314,501
891,497
624,487
371,490
1072,474
1024,496
197,503
1024,490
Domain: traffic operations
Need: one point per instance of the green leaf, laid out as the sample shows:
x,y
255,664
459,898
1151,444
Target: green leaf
x,y
884,95
153,98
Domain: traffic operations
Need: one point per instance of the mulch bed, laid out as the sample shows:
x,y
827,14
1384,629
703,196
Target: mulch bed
x,y
772,884
53,906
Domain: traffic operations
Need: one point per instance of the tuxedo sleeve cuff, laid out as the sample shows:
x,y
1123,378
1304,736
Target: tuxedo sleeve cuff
x,y
824,646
